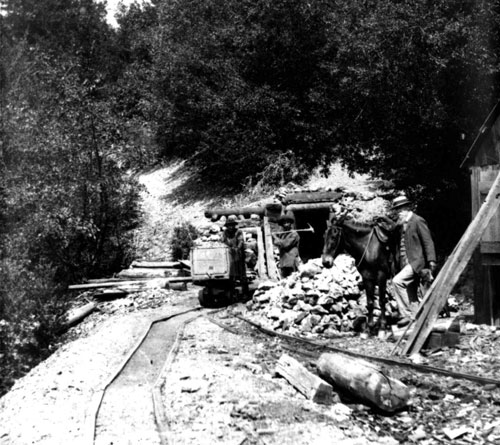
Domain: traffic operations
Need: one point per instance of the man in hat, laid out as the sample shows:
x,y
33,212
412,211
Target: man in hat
x,y
288,244
235,240
414,252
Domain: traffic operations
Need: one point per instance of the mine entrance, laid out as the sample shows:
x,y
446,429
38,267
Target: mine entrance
x,y
311,244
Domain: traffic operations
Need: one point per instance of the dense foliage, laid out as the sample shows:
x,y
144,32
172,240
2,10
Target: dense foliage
x,y
182,240
247,92
69,198
397,89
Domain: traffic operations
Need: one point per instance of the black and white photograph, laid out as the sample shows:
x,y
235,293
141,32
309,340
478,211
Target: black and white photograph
x,y
249,222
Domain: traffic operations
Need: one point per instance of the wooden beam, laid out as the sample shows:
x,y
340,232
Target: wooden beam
x,y
490,246
140,272
216,212
272,269
127,283
310,206
261,256
311,197
437,295
307,383
157,264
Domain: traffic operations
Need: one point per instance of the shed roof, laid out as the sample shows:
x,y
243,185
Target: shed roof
x,y
483,132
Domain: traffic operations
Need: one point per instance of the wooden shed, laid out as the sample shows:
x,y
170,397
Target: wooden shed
x,y
483,160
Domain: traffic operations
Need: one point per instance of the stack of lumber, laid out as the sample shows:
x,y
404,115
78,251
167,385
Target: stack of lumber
x,y
150,269
315,300
141,275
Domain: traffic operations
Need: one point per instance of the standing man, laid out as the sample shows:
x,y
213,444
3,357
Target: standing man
x,y
235,240
414,252
288,244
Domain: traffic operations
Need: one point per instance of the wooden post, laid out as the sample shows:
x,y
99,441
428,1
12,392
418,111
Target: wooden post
x,y
261,259
272,269
437,296
305,382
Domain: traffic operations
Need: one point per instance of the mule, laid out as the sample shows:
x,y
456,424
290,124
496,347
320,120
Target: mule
x,y
369,246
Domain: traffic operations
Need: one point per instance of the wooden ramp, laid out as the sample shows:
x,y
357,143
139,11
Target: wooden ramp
x,y
438,293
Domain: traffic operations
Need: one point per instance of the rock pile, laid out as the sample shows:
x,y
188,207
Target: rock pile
x,y
316,300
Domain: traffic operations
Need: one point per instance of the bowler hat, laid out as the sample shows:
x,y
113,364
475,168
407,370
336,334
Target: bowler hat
x,y
400,201
287,218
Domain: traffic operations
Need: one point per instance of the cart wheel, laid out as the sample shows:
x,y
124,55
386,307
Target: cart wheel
x,y
204,298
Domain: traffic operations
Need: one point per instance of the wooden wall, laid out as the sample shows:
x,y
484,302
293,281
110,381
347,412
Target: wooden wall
x,y
487,257
481,180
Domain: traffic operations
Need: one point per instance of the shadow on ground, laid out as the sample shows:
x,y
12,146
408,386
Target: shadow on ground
x,y
192,188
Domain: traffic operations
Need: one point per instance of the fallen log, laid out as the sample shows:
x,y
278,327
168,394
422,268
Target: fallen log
x,y
74,316
305,382
364,381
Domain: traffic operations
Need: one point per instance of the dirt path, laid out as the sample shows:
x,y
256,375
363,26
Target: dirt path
x,y
162,210
127,413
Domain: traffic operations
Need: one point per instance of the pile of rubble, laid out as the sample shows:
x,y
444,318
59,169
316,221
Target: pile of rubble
x,y
316,300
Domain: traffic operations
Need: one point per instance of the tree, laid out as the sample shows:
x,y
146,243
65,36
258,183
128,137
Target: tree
x,y
388,88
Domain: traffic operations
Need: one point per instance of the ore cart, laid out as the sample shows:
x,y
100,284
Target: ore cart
x,y
210,268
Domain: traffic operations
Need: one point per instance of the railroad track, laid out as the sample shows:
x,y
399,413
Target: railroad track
x,y
127,409
321,346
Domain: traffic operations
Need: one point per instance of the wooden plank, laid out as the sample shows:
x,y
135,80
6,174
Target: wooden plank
x,y
490,259
490,246
484,187
261,259
127,283
363,380
445,281
157,264
272,269
307,383
310,206
137,272
474,186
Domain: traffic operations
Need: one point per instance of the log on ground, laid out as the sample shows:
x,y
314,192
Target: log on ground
x,y
364,381
308,384
74,316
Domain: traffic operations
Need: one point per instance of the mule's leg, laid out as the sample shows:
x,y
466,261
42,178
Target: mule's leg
x,y
370,296
382,284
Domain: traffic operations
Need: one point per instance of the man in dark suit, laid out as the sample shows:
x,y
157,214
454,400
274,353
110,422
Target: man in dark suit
x,y
415,252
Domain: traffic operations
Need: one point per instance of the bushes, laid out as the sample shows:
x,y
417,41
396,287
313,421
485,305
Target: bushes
x,y
30,312
182,240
